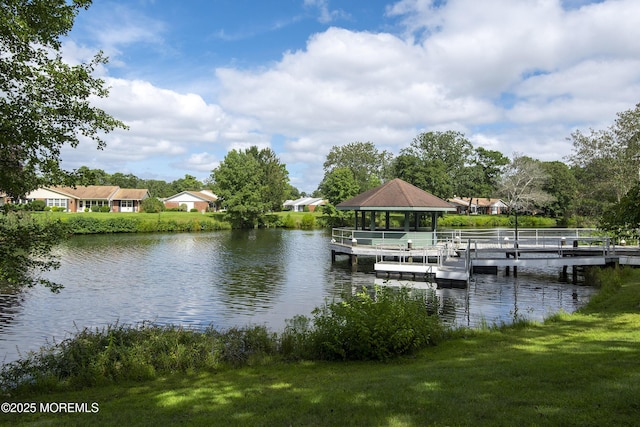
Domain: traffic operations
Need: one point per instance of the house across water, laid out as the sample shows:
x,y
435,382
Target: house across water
x,y
85,198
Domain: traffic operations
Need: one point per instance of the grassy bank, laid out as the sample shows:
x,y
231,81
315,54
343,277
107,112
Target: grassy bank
x,y
118,222
580,369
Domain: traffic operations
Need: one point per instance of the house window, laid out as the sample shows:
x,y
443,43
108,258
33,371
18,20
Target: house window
x,y
126,203
60,203
89,204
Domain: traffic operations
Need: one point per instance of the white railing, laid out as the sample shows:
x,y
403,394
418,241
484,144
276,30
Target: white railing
x,y
415,239
485,238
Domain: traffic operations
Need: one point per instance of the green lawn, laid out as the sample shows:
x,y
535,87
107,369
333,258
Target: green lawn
x,y
581,369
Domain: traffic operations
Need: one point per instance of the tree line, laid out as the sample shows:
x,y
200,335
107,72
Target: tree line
x,y
157,188
45,105
595,182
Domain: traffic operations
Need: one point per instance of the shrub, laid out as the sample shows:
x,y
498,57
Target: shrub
x,y
152,205
194,210
395,322
289,222
37,205
81,224
308,221
125,352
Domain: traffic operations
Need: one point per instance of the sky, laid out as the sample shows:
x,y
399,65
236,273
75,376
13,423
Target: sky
x,y
195,79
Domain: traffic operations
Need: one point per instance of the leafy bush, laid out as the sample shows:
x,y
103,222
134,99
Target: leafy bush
x,y
25,247
152,205
124,352
308,221
194,210
289,222
388,323
36,205
82,224
395,322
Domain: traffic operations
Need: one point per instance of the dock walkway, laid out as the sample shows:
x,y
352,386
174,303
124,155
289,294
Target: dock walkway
x,y
458,256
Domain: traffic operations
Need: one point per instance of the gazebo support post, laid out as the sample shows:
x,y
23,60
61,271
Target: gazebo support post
x,y
373,221
386,220
407,221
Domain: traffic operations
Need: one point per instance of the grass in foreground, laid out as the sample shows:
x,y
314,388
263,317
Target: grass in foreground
x,y
581,369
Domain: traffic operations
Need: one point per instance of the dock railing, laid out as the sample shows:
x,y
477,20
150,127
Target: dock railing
x,y
559,239
484,238
415,239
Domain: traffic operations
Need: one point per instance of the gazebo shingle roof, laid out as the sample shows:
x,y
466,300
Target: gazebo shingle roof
x,y
396,195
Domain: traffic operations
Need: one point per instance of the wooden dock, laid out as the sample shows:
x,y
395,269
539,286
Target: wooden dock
x,y
455,261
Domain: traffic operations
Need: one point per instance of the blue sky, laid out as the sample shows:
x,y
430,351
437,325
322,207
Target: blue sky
x,y
195,79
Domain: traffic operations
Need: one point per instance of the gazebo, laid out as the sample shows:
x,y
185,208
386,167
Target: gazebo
x,y
396,196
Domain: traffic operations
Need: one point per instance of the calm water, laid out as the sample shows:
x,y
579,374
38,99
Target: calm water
x,y
235,278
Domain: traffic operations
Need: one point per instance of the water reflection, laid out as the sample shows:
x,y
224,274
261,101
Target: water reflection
x,y
233,279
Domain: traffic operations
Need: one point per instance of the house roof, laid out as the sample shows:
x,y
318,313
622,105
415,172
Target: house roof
x,y
205,195
396,195
131,194
93,192
460,201
101,192
304,201
483,201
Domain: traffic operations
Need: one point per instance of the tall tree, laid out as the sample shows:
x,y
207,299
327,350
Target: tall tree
x,y
623,218
609,158
88,176
521,185
275,178
44,106
188,183
339,185
562,185
44,102
435,161
429,176
368,165
242,181
158,188
125,180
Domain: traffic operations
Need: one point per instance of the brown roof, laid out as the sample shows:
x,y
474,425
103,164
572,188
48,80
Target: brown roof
x,y
396,195
131,194
481,201
205,195
102,192
95,192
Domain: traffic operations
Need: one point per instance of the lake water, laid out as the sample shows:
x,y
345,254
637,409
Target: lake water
x,y
236,278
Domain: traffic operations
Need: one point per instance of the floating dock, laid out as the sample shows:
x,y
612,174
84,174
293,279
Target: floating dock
x,y
456,260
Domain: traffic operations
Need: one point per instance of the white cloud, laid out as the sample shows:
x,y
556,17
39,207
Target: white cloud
x,y
560,66
326,15
162,124
514,76
117,29
202,162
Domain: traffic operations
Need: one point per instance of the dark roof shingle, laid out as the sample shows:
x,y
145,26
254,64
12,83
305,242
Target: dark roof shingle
x,y
396,195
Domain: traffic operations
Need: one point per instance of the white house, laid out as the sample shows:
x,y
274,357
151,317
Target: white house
x,y
200,200
81,198
298,205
